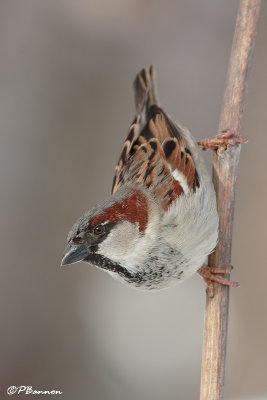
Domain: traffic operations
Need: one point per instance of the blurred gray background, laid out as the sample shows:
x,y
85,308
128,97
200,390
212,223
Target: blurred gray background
x,y
66,75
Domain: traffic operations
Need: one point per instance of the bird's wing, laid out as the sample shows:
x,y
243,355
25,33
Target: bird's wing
x,y
155,154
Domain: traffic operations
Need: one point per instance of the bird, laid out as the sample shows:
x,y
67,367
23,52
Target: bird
x,y
160,222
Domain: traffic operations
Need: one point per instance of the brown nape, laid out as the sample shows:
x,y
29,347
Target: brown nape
x,y
133,209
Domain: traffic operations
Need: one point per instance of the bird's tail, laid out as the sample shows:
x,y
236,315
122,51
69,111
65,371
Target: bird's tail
x,y
145,93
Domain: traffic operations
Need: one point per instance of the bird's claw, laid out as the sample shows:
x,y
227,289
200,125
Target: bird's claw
x,y
211,275
223,139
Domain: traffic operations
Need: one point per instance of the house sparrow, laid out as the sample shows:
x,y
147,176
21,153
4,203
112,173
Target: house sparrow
x,y
160,223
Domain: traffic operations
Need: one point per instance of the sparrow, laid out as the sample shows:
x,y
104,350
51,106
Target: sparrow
x,y
160,223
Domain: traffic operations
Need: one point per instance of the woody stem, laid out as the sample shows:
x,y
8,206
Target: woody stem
x,y
224,176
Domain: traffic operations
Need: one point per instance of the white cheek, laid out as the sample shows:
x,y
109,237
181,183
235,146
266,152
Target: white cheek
x,y
120,242
127,246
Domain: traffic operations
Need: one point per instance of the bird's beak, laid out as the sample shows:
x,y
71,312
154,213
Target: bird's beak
x,y
74,253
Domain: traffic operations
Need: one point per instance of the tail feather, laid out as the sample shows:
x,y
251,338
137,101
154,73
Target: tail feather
x,y
145,93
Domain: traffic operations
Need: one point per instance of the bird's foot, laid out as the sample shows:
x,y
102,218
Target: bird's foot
x,y
223,139
210,275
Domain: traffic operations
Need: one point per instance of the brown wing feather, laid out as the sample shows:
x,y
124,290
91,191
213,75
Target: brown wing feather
x,y
148,167
154,149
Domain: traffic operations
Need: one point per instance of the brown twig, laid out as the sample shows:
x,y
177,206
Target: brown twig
x,y
225,165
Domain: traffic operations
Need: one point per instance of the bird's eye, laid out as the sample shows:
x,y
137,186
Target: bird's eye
x,y
99,229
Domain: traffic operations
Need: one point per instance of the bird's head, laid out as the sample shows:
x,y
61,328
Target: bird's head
x,y
117,234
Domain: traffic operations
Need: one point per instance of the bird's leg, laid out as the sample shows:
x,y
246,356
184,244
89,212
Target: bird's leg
x,y
210,275
224,139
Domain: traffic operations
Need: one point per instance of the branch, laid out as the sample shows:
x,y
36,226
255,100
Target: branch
x,y
224,176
